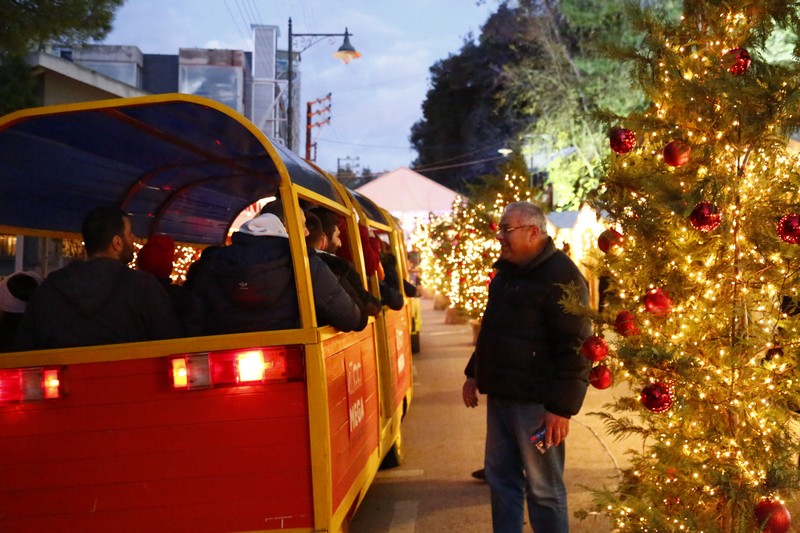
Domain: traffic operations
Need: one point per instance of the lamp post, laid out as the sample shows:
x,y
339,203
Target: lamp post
x,y
346,53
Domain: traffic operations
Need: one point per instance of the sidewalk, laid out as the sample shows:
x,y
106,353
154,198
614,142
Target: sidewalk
x,y
593,457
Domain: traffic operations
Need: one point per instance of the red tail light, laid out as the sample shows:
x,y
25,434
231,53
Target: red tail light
x,y
237,367
29,384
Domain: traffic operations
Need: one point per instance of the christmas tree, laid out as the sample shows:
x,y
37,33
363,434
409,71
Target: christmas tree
x,y
702,260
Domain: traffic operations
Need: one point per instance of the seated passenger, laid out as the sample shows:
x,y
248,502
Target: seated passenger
x,y
15,291
345,273
389,264
249,285
156,257
391,295
100,300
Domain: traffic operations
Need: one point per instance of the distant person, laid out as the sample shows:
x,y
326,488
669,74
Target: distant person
x,y
391,276
316,242
100,300
157,257
391,291
249,285
15,291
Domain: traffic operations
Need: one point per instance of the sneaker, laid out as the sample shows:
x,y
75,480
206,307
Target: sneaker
x,y
479,474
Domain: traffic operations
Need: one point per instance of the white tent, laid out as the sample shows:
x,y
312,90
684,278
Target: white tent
x,y
409,196
405,191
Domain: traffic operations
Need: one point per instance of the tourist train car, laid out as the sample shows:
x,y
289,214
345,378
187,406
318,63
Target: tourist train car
x,y
244,432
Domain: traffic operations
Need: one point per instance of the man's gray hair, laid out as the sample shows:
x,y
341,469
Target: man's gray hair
x,y
531,213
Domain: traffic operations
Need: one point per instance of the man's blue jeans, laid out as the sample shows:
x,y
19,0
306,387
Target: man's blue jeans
x,y
516,469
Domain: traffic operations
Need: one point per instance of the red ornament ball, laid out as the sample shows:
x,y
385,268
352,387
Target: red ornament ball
x,y
594,348
601,377
625,324
658,302
789,228
621,140
676,153
609,239
705,216
657,397
739,61
772,516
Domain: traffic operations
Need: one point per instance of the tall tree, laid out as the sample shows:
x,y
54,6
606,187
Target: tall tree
x,y
561,88
463,122
703,270
29,24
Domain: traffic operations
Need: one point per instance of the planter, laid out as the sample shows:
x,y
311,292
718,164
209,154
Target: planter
x,y
440,302
454,316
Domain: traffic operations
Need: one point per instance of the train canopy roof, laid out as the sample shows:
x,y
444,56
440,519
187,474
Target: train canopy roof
x,y
178,164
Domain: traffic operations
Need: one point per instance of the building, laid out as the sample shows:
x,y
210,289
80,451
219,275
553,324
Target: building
x,y
251,82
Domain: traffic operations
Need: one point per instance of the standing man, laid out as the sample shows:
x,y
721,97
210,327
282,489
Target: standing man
x,y
100,300
527,362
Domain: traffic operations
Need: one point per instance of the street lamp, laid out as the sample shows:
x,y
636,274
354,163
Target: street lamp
x,y
346,53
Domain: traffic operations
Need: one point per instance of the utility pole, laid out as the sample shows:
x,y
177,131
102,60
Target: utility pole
x,y
309,115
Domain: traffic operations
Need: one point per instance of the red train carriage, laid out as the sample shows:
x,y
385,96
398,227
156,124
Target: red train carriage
x,y
245,432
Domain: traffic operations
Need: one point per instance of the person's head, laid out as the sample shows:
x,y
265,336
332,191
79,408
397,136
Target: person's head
x,y
156,256
330,226
107,233
16,290
316,237
522,232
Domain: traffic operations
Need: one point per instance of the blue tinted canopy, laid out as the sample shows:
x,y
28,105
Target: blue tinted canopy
x,y
178,164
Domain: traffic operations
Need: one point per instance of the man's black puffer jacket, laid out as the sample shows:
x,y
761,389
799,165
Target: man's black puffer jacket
x,y
528,345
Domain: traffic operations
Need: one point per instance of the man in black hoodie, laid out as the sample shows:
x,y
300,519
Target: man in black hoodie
x,y
527,362
100,300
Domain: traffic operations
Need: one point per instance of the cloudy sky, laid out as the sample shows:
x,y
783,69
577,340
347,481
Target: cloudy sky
x,y
375,99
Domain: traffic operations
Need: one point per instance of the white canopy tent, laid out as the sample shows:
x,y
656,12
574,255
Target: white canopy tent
x,y
409,196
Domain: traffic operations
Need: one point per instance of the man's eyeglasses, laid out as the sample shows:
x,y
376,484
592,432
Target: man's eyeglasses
x,y
505,230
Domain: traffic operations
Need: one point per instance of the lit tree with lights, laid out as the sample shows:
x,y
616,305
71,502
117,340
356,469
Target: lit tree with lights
x,y
703,266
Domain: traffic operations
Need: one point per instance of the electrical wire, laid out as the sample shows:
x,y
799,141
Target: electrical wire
x,y
233,19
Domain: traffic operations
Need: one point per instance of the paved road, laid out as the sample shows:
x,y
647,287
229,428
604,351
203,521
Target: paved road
x,y
443,442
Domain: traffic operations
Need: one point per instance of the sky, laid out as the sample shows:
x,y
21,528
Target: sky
x,y
375,99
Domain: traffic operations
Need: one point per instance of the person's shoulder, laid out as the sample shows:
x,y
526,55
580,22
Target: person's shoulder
x,y
561,268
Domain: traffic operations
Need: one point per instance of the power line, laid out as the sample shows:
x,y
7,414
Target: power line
x,y
468,163
241,14
233,19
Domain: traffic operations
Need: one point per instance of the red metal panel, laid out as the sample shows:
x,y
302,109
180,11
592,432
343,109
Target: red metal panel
x,y
354,428
399,342
123,452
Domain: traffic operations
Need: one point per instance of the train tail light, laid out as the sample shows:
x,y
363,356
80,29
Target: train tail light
x,y
273,364
30,384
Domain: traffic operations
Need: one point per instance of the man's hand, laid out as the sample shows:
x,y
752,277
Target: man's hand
x,y
557,428
470,393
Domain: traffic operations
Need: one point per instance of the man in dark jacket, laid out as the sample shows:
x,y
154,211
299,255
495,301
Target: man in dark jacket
x,y
249,285
316,242
527,361
100,300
